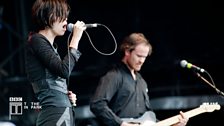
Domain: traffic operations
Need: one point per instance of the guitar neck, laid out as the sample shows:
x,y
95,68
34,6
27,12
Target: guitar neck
x,y
174,119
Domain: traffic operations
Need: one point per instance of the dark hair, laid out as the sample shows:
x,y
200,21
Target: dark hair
x,y
130,42
46,12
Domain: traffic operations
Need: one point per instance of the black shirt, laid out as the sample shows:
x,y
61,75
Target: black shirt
x,y
47,72
118,96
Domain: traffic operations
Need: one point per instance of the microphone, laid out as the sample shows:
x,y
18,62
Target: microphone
x,y
184,64
70,26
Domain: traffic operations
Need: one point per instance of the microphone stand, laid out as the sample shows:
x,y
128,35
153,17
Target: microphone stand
x,y
210,84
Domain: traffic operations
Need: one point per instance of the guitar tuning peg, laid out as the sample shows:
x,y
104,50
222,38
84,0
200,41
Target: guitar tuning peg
x,y
205,103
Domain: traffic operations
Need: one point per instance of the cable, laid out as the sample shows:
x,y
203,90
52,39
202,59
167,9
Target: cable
x,y
69,61
115,42
210,77
210,84
102,53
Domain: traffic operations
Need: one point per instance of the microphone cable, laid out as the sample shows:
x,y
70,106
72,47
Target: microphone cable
x,y
115,42
212,84
102,53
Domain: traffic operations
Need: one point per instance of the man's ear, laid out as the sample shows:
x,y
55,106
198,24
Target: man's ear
x,y
127,52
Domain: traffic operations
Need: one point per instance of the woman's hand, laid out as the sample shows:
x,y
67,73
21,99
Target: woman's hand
x,y
72,97
78,29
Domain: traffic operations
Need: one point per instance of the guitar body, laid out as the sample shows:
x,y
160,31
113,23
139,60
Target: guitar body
x,y
149,118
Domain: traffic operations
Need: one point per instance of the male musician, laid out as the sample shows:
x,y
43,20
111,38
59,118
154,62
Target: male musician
x,y
122,92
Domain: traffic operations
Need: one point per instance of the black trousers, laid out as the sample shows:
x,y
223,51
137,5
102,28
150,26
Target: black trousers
x,y
56,116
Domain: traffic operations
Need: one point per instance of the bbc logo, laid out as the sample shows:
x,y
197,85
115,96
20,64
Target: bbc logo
x,y
15,106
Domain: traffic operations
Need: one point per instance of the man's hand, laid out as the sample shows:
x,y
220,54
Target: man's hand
x,y
183,119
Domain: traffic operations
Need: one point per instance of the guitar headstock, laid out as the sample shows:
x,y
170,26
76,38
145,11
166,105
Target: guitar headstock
x,y
210,107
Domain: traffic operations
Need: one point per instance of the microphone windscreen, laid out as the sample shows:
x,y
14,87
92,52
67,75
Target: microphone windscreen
x,y
70,27
183,63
